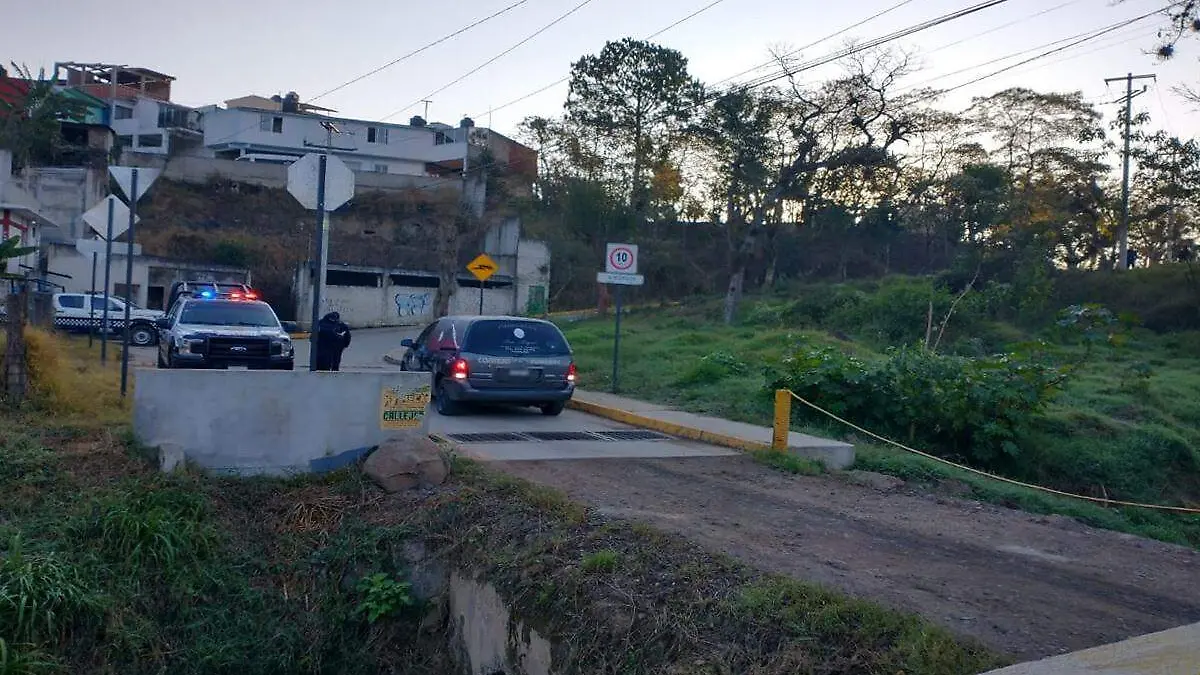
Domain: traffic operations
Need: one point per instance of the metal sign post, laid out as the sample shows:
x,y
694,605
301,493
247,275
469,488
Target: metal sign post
x,y
92,301
133,192
128,179
483,267
108,220
322,260
620,270
320,182
107,282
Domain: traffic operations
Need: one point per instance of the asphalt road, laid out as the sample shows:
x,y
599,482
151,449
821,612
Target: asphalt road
x,y
367,347
506,433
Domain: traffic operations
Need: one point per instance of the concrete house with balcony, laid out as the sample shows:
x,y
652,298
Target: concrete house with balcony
x,y
140,109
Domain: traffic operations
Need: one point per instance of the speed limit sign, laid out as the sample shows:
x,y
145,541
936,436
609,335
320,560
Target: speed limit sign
x,y
621,259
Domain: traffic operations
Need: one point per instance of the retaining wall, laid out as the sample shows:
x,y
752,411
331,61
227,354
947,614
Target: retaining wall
x,y
274,422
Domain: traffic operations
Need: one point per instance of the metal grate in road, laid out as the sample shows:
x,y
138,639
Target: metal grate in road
x,y
633,435
502,437
563,436
558,436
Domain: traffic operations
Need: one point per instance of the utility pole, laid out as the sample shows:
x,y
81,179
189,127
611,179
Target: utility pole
x,y
1123,233
426,102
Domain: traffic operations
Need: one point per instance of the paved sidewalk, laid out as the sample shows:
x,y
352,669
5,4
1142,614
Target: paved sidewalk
x,y
1171,652
737,435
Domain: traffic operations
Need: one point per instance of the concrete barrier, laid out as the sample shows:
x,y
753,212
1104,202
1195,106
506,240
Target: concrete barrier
x,y
275,423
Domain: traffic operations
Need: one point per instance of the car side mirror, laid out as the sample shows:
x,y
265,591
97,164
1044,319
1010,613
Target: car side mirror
x,y
290,326
162,322
408,342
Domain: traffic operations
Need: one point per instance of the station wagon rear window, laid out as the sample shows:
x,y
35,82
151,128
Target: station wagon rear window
x,y
515,338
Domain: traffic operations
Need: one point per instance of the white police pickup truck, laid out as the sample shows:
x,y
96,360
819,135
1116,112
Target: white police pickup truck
x,y
84,312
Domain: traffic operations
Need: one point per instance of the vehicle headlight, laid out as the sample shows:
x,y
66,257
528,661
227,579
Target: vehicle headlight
x,y
282,346
189,344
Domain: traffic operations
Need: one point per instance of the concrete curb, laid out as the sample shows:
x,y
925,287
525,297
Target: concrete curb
x,y
669,428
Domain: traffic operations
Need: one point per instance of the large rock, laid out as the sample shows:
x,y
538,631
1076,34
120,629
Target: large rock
x,y
406,462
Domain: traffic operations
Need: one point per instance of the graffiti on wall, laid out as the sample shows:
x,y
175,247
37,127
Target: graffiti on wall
x,y
413,304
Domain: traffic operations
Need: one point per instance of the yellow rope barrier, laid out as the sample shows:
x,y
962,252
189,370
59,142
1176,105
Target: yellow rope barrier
x,y
1031,486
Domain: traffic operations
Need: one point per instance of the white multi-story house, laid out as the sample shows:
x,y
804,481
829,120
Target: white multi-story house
x,y
142,115
281,129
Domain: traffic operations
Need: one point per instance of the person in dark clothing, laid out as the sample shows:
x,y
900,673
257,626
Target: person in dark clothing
x,y
333,337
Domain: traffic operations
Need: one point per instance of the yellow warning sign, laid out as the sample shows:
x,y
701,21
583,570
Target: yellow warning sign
x,y
482,267
403,410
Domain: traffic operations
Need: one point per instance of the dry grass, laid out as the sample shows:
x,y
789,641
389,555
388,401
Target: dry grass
x,y
68,382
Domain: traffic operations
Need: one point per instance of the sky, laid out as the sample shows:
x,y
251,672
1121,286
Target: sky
x,y
223,49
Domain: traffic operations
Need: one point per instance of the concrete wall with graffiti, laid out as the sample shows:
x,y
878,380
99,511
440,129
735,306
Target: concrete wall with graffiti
x,y
375,297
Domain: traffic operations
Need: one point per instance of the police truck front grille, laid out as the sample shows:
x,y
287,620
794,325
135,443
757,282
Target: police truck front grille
x,y
239,348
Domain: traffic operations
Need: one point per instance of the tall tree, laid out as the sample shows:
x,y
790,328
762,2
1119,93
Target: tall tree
x,y
1166,197
839,129
638,96
737,128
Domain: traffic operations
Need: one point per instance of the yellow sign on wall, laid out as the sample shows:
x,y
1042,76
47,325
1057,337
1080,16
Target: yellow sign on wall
x,y
402,410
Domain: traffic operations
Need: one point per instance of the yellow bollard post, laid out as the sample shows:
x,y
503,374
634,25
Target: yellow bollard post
x,y
783,420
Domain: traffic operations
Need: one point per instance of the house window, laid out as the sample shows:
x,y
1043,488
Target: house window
x,y
353,166
381,168
442,139
123,112
125,141
377,135
150,140
270,124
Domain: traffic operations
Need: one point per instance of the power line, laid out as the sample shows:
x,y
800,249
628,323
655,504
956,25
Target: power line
x,y
1002,26
1092,36
493,59
788,71
414,52
563,79
1086,38
434,43
847,29
1092,33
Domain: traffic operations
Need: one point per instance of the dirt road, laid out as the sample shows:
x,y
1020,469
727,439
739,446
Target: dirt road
x,y
1028,585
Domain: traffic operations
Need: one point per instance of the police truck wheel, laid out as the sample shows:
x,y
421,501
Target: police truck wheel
x,y
141,336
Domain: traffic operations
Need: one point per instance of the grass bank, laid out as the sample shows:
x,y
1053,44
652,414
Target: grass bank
x,y
107,566
1125,425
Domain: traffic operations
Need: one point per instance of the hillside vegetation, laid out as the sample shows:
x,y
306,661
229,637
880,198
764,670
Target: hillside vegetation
x,y
107,566
1080,400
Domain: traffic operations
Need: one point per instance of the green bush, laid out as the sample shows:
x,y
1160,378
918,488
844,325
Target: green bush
x,y
971,408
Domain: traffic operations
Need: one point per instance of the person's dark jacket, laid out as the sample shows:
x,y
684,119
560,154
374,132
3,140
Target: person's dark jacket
x,y
333,337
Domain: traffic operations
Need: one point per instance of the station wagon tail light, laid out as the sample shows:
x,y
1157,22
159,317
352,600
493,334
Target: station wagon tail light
x,y
572,371
460,369
251,295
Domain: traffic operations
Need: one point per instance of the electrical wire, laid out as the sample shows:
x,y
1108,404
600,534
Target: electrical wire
x,y
418,50
563,79
497,57
1049,52
444,38
789,71
843,31
1086,37
1002,26
1093,32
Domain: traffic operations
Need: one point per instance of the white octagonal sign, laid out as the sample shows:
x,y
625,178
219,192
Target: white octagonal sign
x,y
304,179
